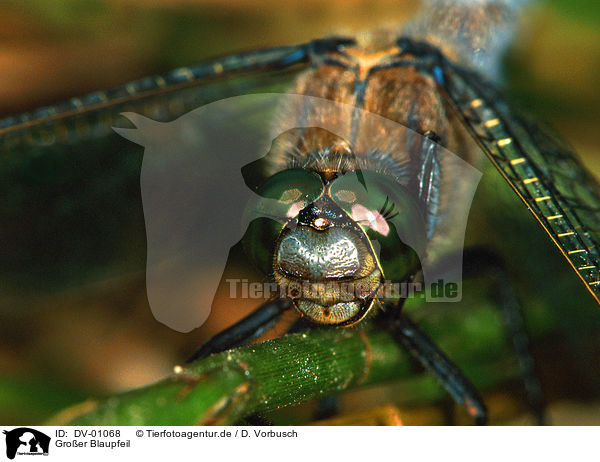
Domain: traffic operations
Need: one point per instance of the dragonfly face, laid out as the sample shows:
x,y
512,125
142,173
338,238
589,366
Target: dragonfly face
x,y
324,247
322,256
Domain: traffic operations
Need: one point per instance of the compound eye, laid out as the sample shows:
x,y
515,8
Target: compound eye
x,y
377,201
284,194
278,201
388,213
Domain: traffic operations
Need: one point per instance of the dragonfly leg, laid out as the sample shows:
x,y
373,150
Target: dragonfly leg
x,y
427,353
479,262
249,328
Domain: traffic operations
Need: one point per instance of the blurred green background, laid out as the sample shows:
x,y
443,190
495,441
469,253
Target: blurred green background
x,y
102,338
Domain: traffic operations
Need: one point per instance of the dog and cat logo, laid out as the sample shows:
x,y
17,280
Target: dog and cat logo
x,y
26,441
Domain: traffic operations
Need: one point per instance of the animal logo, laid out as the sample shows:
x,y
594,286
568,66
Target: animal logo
x,y
25,440
195,187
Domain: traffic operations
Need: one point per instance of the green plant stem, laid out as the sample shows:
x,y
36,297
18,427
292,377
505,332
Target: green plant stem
x,y
226,387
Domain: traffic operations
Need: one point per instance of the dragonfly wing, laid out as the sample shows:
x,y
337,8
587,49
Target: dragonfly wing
x,y
71,211
161,97
541,168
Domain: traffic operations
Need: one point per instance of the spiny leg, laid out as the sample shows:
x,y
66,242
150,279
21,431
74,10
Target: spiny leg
x,y
245,330
480,262
422,348
428,179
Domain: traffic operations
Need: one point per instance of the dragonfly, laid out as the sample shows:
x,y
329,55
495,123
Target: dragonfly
x,y
430,82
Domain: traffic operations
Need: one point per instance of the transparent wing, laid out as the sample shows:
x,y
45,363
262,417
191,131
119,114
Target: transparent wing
x,y
160,97
541,168
71,208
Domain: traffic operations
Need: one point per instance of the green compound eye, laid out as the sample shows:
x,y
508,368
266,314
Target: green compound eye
x,y
284,194
278,200
388,214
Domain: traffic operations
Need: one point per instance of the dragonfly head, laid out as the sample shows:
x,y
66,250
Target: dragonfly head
x,y
330,243
326,264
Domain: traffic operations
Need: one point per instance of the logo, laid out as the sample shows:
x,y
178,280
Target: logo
x,y
26,441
